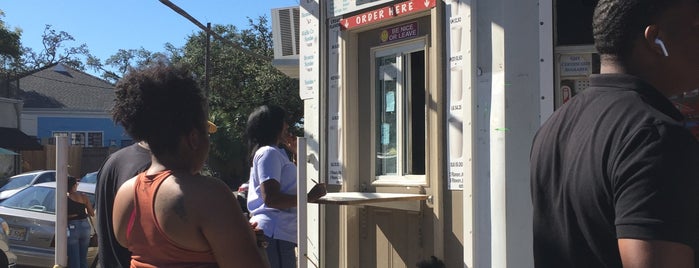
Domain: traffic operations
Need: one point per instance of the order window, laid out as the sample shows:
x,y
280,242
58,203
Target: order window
x,y
399,114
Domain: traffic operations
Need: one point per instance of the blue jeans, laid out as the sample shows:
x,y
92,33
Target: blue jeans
x,y
78,240
281,253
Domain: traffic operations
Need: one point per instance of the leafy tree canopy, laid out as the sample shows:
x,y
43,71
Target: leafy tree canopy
x,y
239,83
9,40
54,51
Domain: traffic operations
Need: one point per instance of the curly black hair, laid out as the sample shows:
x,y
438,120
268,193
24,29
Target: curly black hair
x,y
158,104
616,24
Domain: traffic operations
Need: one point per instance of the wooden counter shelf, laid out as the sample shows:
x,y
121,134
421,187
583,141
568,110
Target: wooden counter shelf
x,y
373,199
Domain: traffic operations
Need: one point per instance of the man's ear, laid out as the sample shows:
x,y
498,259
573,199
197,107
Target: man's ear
x,y
652,38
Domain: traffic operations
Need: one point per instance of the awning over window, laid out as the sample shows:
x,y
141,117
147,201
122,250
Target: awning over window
x,y
6,151
13,138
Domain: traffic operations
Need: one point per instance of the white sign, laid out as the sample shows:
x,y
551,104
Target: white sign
x,y
334,85
575,65
309,59
458,92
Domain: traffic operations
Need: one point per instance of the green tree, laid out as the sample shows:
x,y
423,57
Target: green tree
x,y
238,83
51,53
118,64
9,41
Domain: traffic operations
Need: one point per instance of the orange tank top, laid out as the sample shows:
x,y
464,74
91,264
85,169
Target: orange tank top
x,y
149,245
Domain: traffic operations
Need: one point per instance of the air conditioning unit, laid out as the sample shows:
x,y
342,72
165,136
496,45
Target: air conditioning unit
x,y
285,37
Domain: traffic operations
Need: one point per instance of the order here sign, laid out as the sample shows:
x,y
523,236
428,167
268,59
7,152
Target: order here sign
x,y
387,12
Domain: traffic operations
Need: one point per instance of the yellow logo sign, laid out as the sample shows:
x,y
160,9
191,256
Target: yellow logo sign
x,y
384,36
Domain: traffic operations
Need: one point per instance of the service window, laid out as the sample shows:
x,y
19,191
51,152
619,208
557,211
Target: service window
x,y
399,114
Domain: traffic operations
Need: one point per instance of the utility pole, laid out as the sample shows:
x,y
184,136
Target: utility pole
x,y
207,60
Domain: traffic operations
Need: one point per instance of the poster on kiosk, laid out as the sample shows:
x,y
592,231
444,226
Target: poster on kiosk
x,y
574,66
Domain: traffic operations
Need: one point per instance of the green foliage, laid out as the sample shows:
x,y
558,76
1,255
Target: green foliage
x,y
53,41
118,64
9,40
10,48
238,84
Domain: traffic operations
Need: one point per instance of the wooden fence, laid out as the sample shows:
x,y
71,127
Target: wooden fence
x,y
81,160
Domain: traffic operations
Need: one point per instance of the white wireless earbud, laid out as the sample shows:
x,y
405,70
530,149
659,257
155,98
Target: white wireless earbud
x,y
662,46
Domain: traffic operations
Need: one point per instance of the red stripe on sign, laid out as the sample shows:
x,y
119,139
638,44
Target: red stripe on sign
x,y
387,12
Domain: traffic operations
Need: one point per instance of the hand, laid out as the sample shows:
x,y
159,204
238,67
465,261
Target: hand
x,y
318,191
259,235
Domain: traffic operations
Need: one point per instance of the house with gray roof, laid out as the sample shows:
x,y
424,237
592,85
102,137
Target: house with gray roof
x,y
61,100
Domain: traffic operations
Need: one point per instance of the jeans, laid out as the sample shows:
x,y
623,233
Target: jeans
x,y
78,240
281,253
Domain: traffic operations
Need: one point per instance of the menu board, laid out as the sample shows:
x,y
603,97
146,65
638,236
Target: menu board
x,y
334,87
459,93
309,57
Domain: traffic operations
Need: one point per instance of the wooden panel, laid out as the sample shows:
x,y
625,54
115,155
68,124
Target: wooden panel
x,y
391,239
362,198
80,160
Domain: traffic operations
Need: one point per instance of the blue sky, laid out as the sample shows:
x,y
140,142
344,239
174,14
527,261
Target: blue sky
x,y
107,26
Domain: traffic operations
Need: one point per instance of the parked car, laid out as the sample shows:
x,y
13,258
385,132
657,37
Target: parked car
x,y
7,258
31,219
89,178
18,182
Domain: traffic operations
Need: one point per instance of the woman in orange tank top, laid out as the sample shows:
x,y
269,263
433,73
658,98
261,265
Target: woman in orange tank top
x,y
170,215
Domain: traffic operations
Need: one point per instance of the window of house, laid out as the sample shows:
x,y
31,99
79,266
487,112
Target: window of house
x,y
79,138
399,114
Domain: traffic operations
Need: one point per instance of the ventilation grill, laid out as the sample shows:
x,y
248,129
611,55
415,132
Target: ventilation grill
x,y
285,32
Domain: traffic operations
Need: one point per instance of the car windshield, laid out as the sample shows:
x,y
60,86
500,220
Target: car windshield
x,y
17,182
36,198
89,178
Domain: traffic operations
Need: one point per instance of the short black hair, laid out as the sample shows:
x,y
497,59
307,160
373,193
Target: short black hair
x,y
616,24
71,181
264,125
158,104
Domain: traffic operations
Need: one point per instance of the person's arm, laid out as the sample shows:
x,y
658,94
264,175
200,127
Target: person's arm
x,y
274,198
88,206
636,253
225,228
654,180
123,206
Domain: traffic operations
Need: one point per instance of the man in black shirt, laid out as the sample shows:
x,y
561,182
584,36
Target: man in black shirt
x,y
119,167
615,175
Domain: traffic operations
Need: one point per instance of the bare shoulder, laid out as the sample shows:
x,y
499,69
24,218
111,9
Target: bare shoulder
x,y
126,191
200,190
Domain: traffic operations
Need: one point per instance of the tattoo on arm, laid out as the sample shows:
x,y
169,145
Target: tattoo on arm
x,y
180,209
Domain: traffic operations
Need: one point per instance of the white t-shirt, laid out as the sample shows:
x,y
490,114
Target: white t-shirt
x,y
272,163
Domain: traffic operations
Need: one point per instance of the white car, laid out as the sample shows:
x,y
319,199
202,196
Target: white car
x,y
31,218
18,182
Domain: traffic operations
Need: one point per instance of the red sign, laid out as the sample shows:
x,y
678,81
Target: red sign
x,y
387,12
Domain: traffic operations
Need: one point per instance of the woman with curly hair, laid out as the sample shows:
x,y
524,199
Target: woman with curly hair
x,y
170,215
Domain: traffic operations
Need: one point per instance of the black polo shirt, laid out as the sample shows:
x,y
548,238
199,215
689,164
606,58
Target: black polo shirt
x,y
614,162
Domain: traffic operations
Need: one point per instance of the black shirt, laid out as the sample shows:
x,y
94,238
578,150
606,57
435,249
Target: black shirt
x,y
119,167
614,162
76,210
